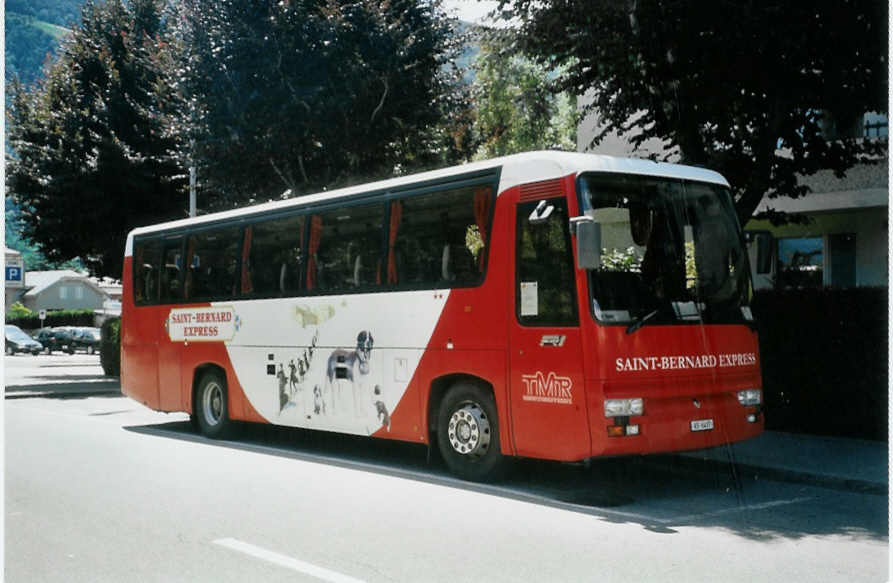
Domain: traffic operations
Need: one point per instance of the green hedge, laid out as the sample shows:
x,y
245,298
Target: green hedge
x,y
824,360
110,347
55,318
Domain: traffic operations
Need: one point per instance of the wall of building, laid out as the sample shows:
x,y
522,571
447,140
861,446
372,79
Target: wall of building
x,y
871,231
66,295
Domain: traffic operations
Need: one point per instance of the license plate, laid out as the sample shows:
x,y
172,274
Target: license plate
x,y
702,425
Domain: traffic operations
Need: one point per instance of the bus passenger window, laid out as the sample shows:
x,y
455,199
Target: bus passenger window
x,y
346,246
146,272
442,238
212,257
172,264
274,258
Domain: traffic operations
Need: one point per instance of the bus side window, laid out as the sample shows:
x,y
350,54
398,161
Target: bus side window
x,y
275,257
212,257
442,237
171,264
346,249
146,272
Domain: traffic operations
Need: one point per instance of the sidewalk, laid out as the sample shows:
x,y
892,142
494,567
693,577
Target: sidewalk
x,y
835,462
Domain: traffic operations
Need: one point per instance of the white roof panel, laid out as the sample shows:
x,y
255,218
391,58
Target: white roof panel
x,y
515,169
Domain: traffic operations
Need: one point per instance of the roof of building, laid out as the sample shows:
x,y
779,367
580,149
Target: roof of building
x,y
38,281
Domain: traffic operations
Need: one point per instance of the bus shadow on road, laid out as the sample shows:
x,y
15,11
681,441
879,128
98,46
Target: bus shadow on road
x,y
634,490
594,487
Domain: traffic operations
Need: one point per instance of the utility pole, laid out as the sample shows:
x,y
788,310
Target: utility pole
x,y
192,209
192,191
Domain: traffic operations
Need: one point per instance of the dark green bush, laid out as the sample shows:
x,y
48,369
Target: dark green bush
x,y
55,318
824,360
110,347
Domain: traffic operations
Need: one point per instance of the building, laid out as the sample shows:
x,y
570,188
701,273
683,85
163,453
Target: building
x,y
60,290
844,243
15,276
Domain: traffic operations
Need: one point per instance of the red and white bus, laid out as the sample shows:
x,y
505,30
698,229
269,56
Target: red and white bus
x,y
548,305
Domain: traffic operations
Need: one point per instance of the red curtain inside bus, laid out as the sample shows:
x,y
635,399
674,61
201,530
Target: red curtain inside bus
x,y
396,215
313,247
247,288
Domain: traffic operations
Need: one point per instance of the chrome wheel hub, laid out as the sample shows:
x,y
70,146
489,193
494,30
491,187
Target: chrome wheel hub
x,y
469,430
212,403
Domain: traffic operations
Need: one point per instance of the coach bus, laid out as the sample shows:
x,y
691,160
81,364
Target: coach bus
x,y
550,305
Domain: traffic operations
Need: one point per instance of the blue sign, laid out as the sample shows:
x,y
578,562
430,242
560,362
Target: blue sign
x,y
14,273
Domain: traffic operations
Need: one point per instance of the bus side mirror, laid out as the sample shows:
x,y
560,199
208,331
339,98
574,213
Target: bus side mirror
x,y
589,242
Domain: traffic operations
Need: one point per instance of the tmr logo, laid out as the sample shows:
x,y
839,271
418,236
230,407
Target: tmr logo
x,y
547,389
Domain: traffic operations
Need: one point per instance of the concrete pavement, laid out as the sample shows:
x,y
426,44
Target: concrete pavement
x,y
848,464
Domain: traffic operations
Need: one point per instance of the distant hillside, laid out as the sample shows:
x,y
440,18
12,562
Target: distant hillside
x,y
33,31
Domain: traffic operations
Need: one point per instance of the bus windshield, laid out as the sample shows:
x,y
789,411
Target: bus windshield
x,y
671,251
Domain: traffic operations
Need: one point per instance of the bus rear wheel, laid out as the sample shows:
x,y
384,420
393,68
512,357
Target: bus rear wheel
x,y
209,407
468,433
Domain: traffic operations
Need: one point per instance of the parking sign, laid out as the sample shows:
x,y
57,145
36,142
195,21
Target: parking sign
x,y
14,275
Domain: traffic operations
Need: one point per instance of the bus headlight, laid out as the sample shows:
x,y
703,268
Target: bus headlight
x,y
624,407
750,397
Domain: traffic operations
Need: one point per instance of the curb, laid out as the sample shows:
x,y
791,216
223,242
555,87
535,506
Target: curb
x,y
689,464
62,390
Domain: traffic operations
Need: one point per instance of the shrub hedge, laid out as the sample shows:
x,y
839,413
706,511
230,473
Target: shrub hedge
x,y
55,318
824,360
110,347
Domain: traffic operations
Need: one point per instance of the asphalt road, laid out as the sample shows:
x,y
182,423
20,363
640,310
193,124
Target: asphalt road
x,y
99,488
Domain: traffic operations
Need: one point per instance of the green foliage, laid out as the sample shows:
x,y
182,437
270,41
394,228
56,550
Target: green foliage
x,y
309,94
726,84
91,160
54,318
626,260
514,108
17,310
110,347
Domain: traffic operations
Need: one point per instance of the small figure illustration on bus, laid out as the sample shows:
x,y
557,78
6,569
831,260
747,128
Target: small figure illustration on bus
x,y
381,410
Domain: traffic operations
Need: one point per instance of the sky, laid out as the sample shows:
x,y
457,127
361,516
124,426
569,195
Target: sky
x,y
470,10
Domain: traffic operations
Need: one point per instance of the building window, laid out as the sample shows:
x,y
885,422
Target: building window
x,y
79,293
801,262
63,292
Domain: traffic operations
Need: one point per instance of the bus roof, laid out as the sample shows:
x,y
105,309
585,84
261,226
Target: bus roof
x,y
514,170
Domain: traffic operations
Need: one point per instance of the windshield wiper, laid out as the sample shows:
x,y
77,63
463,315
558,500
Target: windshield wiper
x,y
641,321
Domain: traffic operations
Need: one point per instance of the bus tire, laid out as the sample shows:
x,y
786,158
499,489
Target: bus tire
x,y
210,406
468,433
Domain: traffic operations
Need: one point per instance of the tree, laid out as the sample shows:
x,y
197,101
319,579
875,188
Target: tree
x,y
514,109
90,157
750,89
306,94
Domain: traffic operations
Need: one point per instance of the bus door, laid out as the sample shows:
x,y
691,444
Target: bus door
x,y
548,405
172,281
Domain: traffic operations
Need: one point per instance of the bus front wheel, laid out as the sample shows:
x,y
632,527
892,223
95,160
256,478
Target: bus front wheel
x,y
209,407
468,433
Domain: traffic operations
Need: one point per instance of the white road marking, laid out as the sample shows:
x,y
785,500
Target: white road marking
x,y
286,561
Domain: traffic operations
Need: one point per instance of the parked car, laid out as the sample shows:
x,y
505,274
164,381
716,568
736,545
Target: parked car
x,y
18,341
56,339
86,339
